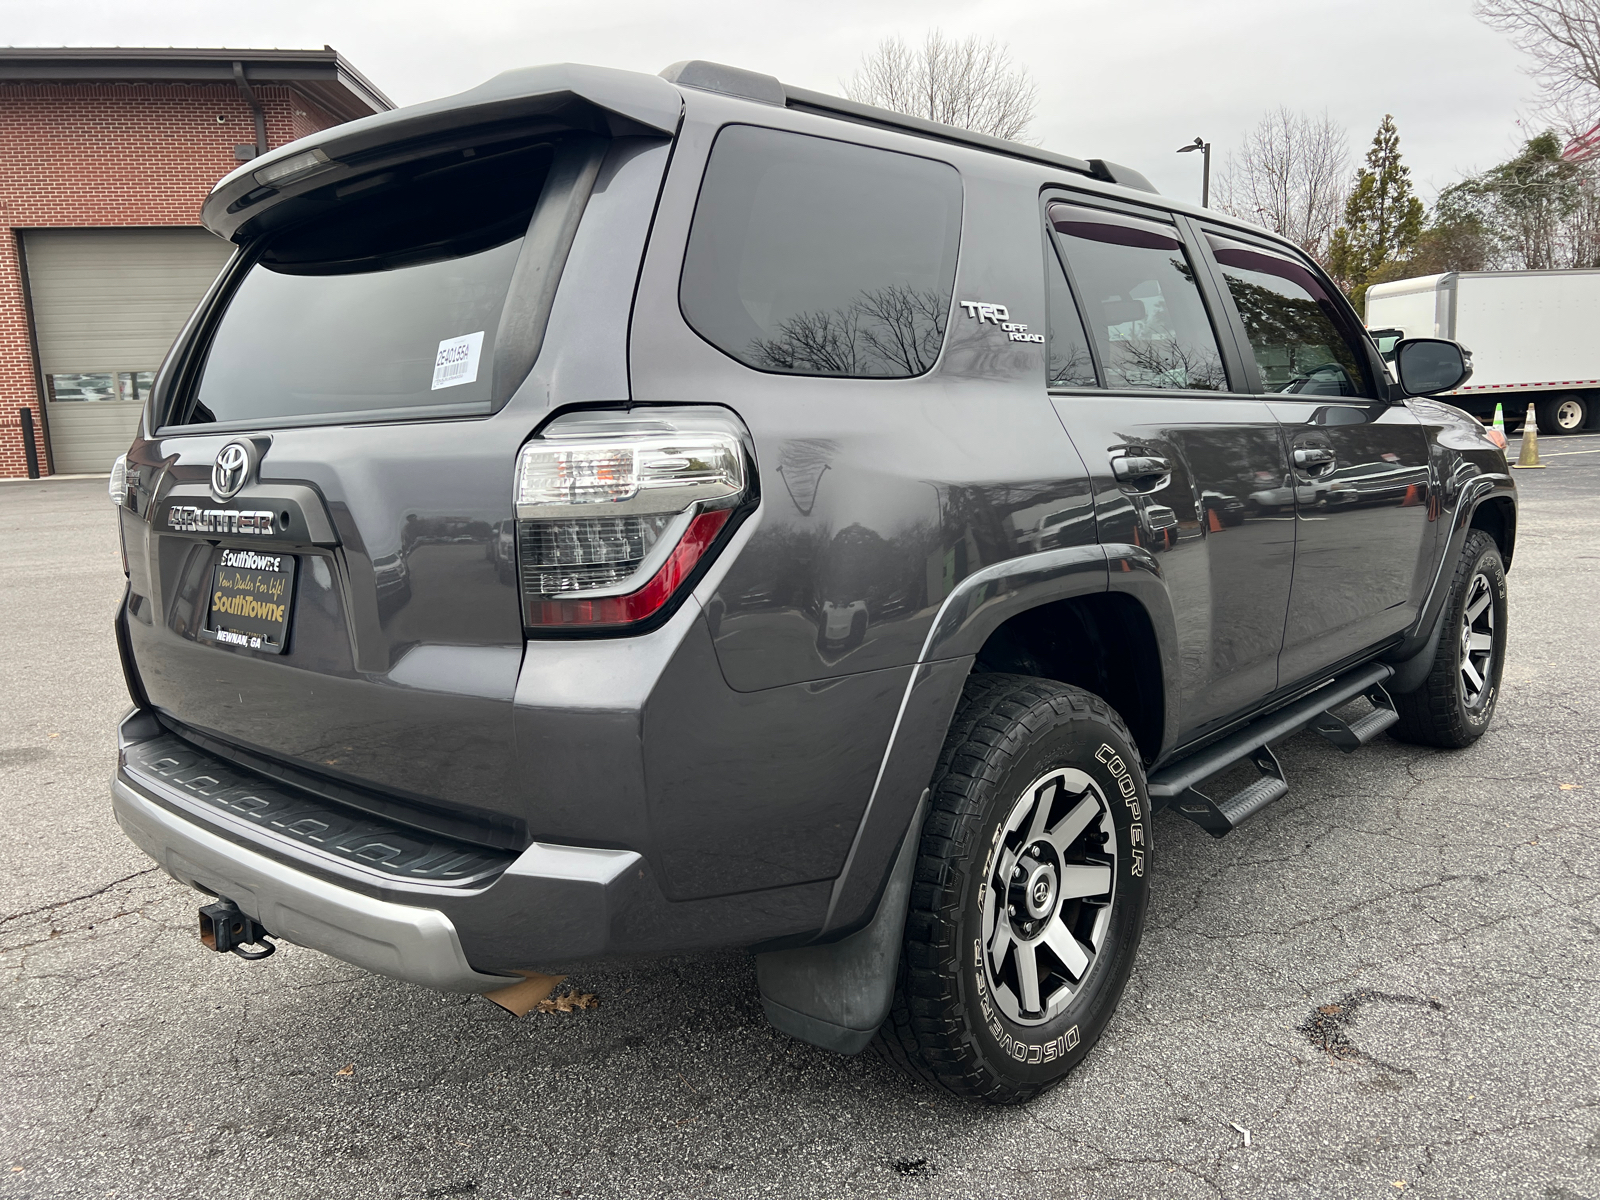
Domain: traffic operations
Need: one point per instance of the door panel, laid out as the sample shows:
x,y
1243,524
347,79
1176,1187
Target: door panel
x,y
1359,464
1364,532
1220,526
1183,468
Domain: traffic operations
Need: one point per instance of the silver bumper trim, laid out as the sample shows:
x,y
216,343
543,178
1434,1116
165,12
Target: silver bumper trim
x,y
416,944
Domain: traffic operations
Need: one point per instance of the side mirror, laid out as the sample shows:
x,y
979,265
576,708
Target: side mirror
x,y
1428,366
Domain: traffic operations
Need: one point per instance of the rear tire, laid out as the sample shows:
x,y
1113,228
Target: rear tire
x,y
1456,702
1038,799
1566,413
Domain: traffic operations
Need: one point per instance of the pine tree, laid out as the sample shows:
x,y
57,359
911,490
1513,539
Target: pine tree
x,y
1382,219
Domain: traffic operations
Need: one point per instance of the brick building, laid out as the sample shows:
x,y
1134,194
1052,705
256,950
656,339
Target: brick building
x,y
105,159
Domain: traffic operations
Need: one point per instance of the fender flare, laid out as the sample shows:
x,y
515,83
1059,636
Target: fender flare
x,y
985,600
827,991
973,610
1421,639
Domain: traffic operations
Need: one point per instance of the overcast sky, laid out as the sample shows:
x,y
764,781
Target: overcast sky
x,y
1127,80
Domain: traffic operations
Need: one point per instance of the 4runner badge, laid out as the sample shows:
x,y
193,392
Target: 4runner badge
x,y
999,314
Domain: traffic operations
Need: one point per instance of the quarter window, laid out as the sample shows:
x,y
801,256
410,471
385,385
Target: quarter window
x,y
1141,301
1289,319
810,256
1071,364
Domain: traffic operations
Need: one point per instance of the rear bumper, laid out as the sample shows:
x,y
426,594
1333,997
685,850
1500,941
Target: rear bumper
x,y
415,906
411,942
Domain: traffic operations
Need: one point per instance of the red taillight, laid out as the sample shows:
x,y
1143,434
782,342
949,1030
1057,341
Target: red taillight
x,y
616,511
606,611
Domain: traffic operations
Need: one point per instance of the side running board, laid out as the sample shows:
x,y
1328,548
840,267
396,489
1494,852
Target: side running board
x,y
1176,784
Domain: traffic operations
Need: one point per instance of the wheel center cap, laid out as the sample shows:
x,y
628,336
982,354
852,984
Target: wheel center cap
x,y
1041,890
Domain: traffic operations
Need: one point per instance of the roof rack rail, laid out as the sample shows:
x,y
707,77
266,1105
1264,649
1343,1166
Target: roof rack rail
x,y
766,89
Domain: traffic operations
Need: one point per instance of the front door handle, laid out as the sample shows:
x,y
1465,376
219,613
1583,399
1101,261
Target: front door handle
x,y
1313,456
1134,468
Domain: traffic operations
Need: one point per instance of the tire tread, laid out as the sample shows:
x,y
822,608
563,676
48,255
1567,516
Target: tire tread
x,y
923,1033
1432,715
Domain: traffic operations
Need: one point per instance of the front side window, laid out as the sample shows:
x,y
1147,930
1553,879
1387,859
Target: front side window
x,y
1141,301
1288,317
809,256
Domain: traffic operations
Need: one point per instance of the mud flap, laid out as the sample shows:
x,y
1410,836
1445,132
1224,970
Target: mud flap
x,y
836,995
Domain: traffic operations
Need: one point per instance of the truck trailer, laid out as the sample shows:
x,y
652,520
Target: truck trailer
x,y
1532,335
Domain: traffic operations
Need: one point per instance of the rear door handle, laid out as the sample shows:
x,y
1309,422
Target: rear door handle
x,y
1131,468
1313,456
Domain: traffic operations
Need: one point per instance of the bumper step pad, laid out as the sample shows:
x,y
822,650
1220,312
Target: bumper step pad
x,y
321,831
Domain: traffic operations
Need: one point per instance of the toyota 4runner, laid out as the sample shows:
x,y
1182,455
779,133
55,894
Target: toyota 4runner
x,y
605,514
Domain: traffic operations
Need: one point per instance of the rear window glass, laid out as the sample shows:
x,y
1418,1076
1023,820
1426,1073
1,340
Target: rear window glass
x,y
389,303
815,257
1140,300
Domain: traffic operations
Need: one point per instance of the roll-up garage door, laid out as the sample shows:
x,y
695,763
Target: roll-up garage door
x,y
107,304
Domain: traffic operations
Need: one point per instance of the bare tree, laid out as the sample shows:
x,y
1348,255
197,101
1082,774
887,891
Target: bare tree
x,y
1291,175
969,83
895,331
1563,39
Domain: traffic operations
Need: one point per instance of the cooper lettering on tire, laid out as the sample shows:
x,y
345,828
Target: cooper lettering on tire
x,y
1030,895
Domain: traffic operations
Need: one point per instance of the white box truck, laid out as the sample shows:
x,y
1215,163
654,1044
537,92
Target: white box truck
x,y
1534,336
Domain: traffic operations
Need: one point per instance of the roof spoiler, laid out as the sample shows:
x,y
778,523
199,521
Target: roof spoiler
x,y
566,96
767,89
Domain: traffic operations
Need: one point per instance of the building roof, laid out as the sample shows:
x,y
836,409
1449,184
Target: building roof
x,y
324,76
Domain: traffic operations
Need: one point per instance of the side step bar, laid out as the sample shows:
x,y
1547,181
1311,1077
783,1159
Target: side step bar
x,y
1176,784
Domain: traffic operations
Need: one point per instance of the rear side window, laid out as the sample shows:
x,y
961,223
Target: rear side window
x,y
814,257
1141,301
388,303
1289,319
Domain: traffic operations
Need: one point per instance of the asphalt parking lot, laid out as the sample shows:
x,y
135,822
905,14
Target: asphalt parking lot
x,y
1391,979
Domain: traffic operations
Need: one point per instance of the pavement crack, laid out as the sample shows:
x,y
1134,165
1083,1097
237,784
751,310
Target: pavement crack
x,y
100,891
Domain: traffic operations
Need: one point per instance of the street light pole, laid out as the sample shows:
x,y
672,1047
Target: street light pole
x,y
1204,147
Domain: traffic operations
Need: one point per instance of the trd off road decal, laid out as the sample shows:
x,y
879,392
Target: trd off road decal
x,y
1129,791
999,314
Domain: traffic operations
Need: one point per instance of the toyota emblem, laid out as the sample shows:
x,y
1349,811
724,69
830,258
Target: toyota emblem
x,y
231,470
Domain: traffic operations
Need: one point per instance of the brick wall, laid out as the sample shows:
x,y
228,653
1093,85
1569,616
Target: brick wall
x,y
92,154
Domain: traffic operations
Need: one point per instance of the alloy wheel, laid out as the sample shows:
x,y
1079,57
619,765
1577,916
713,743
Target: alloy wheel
x,y
1477,641
1047,895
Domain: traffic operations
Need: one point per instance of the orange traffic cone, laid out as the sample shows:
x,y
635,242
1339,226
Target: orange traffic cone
x,y
1528,456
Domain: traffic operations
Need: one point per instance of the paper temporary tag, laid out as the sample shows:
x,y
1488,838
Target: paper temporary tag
x,y
458,360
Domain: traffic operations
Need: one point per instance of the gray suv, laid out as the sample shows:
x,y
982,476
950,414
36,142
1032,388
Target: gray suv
x,y
605,514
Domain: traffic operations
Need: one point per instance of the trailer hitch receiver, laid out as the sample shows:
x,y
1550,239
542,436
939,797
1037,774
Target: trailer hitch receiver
x,y
224,927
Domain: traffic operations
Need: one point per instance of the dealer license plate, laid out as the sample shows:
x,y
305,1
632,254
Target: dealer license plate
x,y
251,594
